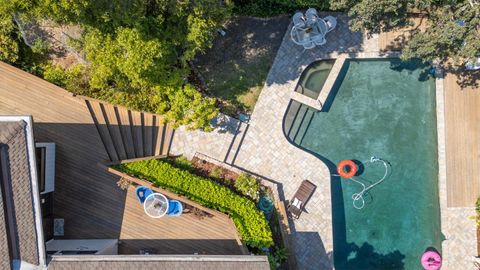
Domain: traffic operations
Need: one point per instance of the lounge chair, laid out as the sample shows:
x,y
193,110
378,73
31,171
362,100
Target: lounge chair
x,y
331,23
175,208
300,199
298,20
142,193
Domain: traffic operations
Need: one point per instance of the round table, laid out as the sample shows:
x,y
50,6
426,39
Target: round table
x,y
156,205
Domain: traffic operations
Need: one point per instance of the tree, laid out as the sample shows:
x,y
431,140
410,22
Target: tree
x,y
450,40
137,51
126,60
452,36
8,42
374,16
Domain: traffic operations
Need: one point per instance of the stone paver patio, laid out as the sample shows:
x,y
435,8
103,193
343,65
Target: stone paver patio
x,y
266,151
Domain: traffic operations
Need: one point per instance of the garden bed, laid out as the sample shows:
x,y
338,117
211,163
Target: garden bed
x,y
205,182
228,177
180,179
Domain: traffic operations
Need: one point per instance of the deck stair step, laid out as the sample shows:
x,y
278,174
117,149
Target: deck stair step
x,y
236,143
128,134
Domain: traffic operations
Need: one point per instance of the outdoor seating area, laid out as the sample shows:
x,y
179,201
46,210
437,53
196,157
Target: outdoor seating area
x,y
309,29
190,232
156,205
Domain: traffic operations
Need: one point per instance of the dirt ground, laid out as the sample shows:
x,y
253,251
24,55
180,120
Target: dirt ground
x,y
236,67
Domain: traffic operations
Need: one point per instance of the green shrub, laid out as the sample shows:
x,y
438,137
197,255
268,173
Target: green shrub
x,y
74,78
184,164
216,173
40,46
250,222
55,74
477,210
248,186
277,258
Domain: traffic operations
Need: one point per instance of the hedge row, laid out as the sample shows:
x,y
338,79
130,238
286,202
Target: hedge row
x,y
250,222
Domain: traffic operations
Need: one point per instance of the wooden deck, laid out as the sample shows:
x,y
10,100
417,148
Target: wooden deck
x,y
87,196
395,40
128,134
186,234
462,124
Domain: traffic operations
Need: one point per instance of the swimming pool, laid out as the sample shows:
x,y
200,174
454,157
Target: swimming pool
x,y
383,108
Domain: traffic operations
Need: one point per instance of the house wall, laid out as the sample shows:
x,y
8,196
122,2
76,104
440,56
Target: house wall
x,y
102,246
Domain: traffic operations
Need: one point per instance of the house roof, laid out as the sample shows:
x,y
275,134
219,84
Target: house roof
x,y
18,225
154,262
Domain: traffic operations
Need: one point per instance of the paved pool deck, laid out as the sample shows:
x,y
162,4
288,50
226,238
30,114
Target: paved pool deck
x,y
265,151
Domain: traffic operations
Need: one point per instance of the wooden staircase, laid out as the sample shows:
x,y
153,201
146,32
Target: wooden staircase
x,y
128,134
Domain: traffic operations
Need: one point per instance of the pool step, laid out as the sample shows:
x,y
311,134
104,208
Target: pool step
x,y
297,121
128,134
290,116
303,126
236,143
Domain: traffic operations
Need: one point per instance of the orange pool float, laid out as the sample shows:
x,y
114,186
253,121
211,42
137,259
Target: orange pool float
x,y
347,168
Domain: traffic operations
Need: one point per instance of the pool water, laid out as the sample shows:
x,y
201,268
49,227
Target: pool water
x,y
383,108
314,77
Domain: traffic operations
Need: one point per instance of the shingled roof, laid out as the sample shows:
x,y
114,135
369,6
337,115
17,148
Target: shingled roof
x,y
18,228
155,262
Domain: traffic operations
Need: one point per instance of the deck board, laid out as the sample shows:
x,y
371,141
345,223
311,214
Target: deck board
x,y
395,40
86,195
194,232
462,123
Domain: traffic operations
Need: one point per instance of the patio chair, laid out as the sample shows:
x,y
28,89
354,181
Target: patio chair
x,y
300,199
175,208
311,15
142,193
308,45
298,20
331,22
319,40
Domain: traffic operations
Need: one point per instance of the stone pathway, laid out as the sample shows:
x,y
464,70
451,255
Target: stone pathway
x,y
266,151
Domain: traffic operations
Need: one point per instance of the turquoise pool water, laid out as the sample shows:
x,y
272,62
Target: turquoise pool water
x,y
382,108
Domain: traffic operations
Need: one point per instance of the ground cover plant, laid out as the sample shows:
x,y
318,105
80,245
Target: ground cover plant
x,y
250,222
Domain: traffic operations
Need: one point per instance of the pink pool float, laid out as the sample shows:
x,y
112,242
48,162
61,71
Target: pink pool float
x,y
431,260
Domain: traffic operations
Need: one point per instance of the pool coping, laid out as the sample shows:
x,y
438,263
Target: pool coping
x,y
446,212
440,122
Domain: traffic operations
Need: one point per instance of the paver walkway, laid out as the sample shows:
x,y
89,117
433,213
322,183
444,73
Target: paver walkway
x,y
266,151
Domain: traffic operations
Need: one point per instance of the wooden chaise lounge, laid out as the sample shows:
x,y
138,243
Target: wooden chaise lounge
x,y
301,197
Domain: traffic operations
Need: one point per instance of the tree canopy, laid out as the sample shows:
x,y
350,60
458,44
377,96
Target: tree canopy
x,y
451,38
137,51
